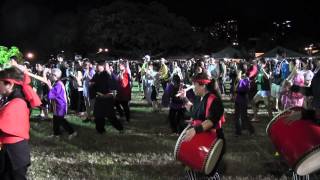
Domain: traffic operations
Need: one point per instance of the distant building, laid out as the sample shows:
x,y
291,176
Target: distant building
x,y
226,30
281,30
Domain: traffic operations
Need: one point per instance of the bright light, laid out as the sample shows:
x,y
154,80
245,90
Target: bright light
x,y
30,55
102,50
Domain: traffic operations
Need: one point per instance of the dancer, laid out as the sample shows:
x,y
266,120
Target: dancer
x,y
14,127
58,97
205,89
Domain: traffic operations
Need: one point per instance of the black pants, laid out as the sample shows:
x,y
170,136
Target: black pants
x,y
222,85
73,99
232,86
241,118
176,119
80,102
14,174
126,109
61,121
14,161
164,84
101,122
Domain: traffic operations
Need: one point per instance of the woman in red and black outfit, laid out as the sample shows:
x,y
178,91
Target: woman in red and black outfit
x,y
123,96
204,87
14,127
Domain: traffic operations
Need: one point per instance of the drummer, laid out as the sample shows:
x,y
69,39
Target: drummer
x,y
203,88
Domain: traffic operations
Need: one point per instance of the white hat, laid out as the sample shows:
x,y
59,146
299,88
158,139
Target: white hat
x,y
146,57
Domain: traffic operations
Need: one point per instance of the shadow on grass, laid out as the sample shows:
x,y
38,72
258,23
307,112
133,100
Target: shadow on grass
x,y
90,141
107,170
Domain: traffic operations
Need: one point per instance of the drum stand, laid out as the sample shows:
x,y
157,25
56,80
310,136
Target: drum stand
x,y
295,176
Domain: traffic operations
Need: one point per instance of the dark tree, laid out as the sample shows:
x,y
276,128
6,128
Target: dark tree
x,y
135,29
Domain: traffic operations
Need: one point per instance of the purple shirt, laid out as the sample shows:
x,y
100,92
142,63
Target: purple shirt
x,y
242,91
59,99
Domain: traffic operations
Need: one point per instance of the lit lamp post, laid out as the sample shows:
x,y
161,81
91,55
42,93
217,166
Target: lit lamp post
x,y
100,50
30,55
309,50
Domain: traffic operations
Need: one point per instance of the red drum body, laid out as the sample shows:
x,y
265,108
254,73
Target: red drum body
x,y
297,141
201,153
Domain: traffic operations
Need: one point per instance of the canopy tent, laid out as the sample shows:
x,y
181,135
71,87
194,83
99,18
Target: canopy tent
x,y
281,51
228,52
316,55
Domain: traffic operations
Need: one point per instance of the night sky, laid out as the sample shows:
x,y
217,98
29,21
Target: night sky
x,y
253,16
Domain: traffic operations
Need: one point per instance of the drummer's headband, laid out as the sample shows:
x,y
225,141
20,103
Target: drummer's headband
x,y
202,81
30,95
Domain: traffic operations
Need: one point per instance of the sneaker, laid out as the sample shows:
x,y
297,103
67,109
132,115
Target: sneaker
x,y
52,136
254,120
71,136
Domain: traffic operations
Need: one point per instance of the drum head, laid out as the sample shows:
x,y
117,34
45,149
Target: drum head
x,y
286,111
309,164
213,157
177,147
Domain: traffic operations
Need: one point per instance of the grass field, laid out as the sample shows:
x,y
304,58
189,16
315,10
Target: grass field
x,y
144,151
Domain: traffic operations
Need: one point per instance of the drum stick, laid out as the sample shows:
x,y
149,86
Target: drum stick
x,y
187,89
23,69
40,78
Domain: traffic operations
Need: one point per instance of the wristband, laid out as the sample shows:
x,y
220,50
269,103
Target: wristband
x,y
198,129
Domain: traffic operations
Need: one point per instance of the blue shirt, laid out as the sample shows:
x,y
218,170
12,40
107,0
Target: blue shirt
x,y
284,69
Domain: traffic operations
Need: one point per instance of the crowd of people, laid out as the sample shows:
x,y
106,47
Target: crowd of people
x,y
99,90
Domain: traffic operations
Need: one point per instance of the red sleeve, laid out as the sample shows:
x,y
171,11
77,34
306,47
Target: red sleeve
x,y
14,118
125,80
254,71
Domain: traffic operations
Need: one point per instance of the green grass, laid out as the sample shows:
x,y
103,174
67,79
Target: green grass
x,y
144,151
